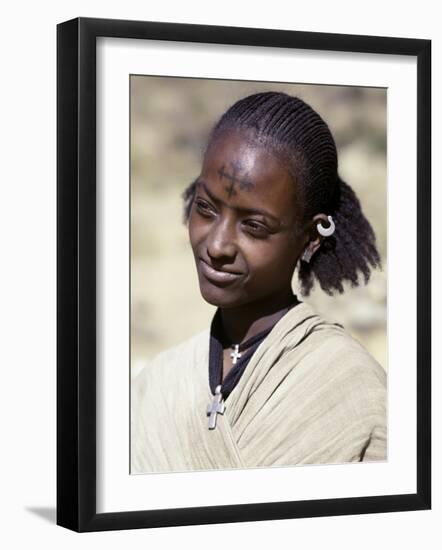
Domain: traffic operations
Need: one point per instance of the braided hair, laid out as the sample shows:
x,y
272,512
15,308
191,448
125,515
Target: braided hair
x,y
297,134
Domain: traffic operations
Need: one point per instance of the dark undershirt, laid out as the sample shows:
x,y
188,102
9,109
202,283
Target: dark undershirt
x,y
218,341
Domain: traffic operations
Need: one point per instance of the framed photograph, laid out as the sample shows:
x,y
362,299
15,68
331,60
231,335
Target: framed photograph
x,y
243,274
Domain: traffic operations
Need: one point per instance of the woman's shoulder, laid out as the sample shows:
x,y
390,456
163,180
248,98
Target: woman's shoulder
x,y
341,355
343,375
190,350
346,351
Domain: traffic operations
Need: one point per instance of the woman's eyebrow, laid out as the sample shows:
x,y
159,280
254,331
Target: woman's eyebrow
x,y
240,209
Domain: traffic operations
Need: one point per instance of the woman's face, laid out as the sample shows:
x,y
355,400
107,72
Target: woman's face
x,y
244,224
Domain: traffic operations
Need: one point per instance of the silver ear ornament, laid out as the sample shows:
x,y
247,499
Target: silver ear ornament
x,y
326,231
307,255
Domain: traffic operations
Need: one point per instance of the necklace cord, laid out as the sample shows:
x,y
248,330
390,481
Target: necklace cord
x,y
217,343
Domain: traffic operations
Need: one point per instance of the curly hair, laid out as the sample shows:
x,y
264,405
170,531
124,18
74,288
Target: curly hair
x,y
298,135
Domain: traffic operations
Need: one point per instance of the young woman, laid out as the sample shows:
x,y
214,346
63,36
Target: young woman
x,y
270,383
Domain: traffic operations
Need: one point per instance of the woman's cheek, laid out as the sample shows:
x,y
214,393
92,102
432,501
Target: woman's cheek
x,y
195,230
277,266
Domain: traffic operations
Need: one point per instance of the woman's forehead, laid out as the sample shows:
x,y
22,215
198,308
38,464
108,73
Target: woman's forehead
x,y
240,170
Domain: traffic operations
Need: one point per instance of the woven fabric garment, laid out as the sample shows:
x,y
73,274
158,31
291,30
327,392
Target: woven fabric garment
x,y
310,394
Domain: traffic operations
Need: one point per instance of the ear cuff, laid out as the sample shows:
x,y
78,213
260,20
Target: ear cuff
x,y
325,232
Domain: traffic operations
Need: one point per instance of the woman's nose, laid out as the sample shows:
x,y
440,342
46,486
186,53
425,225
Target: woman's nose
x,y
221,241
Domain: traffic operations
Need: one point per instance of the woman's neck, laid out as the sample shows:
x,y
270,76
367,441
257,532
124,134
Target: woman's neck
x,y
244,322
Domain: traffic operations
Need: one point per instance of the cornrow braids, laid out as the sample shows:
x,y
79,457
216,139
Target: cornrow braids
x,y
301,139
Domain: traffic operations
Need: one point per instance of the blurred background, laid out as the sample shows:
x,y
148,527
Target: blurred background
x,y
170,122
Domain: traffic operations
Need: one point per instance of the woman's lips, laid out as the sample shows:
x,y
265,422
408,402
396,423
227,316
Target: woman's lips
x,y
215,276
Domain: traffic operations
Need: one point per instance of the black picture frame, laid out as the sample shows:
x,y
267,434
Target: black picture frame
x,y
77,287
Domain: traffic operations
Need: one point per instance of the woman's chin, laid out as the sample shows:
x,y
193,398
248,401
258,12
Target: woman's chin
x,y
221,297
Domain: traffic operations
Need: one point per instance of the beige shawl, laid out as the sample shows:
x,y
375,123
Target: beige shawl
x,y
310,394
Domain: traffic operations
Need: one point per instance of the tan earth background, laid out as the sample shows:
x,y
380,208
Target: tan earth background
x,y
170,122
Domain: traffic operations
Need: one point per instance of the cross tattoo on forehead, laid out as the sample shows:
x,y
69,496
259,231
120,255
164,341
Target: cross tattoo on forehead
x,y
244,183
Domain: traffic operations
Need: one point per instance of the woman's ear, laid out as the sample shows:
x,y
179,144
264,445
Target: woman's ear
x,y
315,238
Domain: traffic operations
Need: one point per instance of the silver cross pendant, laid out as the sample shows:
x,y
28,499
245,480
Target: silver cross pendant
x,y
235,354
215,408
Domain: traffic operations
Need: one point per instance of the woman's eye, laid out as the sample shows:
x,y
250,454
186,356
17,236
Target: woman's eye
x,y
204,208
256,229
